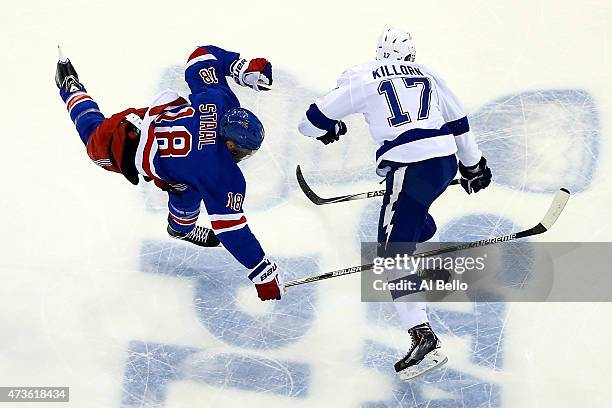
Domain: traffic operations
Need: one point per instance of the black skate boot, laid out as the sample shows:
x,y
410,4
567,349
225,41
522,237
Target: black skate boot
x,y
424,354
66,77
200,236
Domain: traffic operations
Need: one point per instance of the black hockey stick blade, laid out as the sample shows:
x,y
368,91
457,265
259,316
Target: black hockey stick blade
x,y
306,189
320,201
312,196
549,219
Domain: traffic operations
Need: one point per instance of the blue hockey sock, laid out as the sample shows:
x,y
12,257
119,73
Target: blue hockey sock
x,y
84,112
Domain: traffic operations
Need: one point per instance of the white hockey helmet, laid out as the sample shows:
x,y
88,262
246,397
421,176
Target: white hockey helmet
x,y
396,45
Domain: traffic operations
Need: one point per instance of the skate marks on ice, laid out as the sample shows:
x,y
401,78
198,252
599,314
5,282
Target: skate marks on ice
x,y
250,339
445,386
218,281
537,141
473,339
151,367
246,361
509,266
534,141
251,360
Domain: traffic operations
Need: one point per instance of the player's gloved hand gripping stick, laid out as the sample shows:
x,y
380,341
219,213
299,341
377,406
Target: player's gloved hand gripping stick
x,y
265,278
334,134
475,178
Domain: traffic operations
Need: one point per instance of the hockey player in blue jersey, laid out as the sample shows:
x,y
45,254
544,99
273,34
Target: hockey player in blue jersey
x,y
421,129
189,148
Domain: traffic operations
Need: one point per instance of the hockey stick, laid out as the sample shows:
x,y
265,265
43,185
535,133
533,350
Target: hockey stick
x,y
551,216
263,86
340,199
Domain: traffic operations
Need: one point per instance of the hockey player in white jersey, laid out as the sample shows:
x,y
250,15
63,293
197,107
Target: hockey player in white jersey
x,y
421,129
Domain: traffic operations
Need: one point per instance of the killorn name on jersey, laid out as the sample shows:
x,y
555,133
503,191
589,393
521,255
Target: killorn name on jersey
x,y
394,70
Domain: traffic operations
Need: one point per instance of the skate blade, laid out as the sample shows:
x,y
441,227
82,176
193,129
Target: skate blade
x,y
431,361
60,56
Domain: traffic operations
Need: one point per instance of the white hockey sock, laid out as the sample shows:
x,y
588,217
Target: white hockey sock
x,y
411,310
411,313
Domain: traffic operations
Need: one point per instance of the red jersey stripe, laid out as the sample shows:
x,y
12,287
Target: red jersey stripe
x,y
221,224
198,53
183,221
159,109
76,100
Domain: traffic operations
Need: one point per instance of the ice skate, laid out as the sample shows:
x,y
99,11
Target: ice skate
x,y
200,236
65,75
424,354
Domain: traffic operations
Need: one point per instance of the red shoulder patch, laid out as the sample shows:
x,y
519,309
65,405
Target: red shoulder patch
x,y
198,53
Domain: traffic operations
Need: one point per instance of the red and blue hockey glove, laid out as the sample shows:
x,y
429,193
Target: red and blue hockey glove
x,y
475,178
265,278
334,134
256,73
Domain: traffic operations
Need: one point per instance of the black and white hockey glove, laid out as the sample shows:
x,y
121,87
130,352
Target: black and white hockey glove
x,y
333,135
475,178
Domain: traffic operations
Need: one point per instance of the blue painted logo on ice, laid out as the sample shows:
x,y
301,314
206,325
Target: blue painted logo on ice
x,y
252,355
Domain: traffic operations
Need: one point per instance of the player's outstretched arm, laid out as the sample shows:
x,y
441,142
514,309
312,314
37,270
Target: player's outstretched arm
x,y
223,195
316,124
236,236
208,65
323,119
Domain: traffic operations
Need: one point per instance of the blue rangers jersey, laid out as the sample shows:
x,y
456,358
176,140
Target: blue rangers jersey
x,y
411,113
180,145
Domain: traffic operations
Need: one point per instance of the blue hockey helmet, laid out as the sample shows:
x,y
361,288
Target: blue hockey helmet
x,y
242,131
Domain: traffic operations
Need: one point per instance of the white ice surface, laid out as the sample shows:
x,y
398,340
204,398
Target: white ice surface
x,y
89,279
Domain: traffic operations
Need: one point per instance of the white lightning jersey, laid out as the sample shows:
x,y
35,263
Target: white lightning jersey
x,y
411,112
